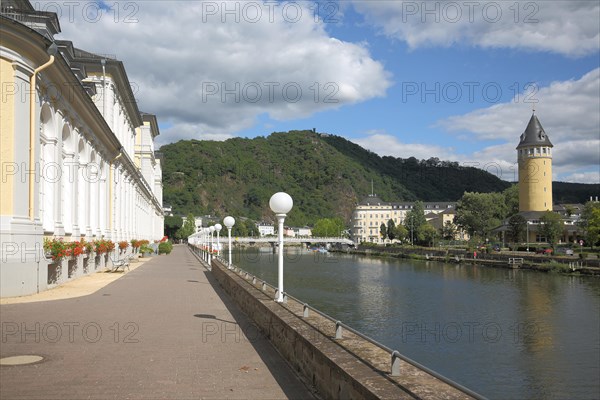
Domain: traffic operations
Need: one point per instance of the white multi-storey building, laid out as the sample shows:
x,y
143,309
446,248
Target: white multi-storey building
x,y
265,229
371,212
77,155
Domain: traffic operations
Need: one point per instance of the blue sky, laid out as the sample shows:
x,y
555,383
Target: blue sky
x,y
453,80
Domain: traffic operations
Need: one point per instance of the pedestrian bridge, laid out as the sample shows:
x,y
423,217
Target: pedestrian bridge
x,y
292,240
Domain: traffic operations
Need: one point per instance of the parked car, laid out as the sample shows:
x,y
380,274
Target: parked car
x,y
565,251
496,247
544,251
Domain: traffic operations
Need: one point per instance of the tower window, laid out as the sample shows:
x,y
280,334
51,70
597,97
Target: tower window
x,y
544,192
544,150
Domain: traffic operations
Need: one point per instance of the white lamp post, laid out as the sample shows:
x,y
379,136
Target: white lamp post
x,y
281,203
202,243
205,230
210,249
229,223
218,228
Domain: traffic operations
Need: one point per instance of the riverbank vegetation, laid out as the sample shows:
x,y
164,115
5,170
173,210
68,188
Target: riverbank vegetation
x,y
326,175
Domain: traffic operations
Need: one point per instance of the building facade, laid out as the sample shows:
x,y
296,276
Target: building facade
x,y
371,212
265,229
77,155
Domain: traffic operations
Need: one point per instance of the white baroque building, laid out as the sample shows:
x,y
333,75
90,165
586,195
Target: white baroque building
x,y
77,155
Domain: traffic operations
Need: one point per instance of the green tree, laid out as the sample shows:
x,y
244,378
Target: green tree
x,y
414,221
400,232
172,225
428,234
511,200
391,229
479,213
383,231
594,227
551,226
328,227
252,228
188,228
517,225
589,223
240,229
449,230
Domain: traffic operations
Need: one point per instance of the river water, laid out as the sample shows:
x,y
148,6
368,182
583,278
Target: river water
x,y
506,334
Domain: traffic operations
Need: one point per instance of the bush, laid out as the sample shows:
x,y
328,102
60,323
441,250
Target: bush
x,y
146,249
165,247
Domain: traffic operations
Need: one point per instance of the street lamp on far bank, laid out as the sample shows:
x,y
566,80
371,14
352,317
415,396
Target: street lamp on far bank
x,y
229,223
280,203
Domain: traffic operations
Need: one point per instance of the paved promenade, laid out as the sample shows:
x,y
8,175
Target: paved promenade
x,y
165,330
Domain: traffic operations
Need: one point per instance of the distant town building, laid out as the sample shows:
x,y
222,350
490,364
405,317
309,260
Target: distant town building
x,y
265,229
371,212
198,223
303,231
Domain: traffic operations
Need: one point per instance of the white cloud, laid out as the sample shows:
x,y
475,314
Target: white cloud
x,y
567,110
564,27
203,72
591,177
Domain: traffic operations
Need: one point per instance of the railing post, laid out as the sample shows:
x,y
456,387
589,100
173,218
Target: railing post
x,y
253,280
305,311
338,330
395,363
264,286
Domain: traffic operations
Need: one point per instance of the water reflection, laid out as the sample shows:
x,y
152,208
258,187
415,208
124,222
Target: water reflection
x,y
504,333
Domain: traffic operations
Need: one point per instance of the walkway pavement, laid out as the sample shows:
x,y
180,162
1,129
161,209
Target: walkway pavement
x,y
163,331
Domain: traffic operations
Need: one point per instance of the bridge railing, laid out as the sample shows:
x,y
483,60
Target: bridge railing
x,y
395,355
293,240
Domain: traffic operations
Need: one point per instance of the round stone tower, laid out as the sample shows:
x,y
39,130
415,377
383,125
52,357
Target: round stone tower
x,y
535,168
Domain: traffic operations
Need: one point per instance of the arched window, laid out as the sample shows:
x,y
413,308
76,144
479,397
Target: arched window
x,y
48,168
68,176
82,188
92,175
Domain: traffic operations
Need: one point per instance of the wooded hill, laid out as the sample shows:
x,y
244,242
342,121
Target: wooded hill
x,y
326,175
